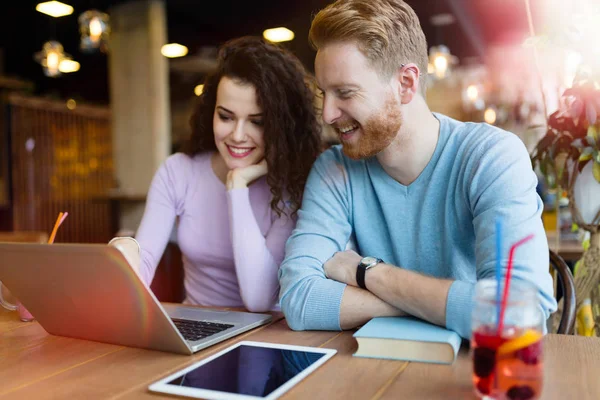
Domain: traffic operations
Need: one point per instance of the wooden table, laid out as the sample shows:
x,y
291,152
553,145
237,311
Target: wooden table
x,y
35,365
569,250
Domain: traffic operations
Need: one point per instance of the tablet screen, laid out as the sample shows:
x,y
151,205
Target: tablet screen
x,y
248,370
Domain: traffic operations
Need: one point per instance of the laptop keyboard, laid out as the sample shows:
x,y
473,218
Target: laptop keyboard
x,y
197,330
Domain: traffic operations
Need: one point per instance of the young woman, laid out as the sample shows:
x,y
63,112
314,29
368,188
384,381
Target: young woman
x,y
237,188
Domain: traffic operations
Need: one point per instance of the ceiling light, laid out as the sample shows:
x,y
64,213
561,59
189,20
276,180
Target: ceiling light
x,y
54,9
472,92
490,116
50,57
67,66
173,50
442,19
280,34
71,104
94,28
442,61
198,90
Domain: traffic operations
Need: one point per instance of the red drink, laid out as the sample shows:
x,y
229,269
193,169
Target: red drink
x,y
507,365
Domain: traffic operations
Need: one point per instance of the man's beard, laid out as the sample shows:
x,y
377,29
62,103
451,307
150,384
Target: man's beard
x,y
377,133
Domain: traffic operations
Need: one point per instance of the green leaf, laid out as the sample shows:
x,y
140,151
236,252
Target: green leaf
x,y
596,171
576,268
559,173
586,154
586,244
593,132
574,227
585,157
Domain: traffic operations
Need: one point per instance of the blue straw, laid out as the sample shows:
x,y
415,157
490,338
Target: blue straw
x,y
498,266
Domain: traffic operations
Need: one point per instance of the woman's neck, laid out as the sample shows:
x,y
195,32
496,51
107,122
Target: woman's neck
x,y
218,166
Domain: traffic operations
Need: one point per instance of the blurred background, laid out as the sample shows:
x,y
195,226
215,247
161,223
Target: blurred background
x,y
96,94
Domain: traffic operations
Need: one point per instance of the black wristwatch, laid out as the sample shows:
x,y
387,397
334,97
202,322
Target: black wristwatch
x,y
365,264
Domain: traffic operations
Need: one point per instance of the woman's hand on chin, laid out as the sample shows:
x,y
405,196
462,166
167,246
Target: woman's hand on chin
x,y
243,177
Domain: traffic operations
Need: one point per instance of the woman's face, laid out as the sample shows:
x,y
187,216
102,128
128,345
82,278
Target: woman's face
x,y
238,124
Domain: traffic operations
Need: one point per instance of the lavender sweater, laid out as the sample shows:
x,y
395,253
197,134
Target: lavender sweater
x,y
232,242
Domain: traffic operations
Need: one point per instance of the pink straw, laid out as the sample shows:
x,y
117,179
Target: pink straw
x,y
511,256
63,218
59,221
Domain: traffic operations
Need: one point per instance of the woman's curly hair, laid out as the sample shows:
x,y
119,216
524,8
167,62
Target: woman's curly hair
x,y
292,133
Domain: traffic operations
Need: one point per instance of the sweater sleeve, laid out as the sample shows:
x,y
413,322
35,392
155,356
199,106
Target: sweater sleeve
x,y
164,202
500,183
257,257
308,299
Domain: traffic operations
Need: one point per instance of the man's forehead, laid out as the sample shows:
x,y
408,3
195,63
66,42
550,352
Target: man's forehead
x,y
341,65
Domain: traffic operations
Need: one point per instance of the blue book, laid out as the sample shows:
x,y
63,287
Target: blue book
x,y
408,339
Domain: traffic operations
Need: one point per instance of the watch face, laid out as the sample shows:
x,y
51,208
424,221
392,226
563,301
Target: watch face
x,y
368,260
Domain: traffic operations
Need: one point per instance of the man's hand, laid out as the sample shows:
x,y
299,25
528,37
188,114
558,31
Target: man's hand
x,y
342,267
242,177
358,305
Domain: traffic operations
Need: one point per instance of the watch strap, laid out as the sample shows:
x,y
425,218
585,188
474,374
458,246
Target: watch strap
x,y
362,270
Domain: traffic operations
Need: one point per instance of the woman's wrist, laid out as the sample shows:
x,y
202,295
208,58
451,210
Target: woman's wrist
x,y
130,249
235,182
124,239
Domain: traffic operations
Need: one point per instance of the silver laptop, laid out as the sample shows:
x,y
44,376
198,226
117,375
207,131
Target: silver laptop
x,y
89,291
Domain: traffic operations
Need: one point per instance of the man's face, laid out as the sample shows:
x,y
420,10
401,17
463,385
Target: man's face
x,y
362,107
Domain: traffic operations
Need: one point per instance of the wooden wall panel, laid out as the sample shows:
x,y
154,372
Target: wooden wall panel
x,y
62,161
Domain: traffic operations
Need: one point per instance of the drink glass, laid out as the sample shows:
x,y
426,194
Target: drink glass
x,y
8,301
507,365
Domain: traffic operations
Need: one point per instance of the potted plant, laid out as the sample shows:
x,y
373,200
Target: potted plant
x,y
569,157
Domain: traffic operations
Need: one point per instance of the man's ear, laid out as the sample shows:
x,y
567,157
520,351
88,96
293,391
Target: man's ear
x,y
408,82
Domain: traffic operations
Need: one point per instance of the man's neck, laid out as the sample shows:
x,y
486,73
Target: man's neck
x,y
410,152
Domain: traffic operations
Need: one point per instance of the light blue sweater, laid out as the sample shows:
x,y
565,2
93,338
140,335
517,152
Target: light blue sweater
x,y
442,224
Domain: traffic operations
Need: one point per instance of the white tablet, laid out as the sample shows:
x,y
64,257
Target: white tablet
x,y
245,370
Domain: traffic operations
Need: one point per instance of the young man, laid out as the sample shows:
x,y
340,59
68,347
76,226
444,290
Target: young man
x,y
418,192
